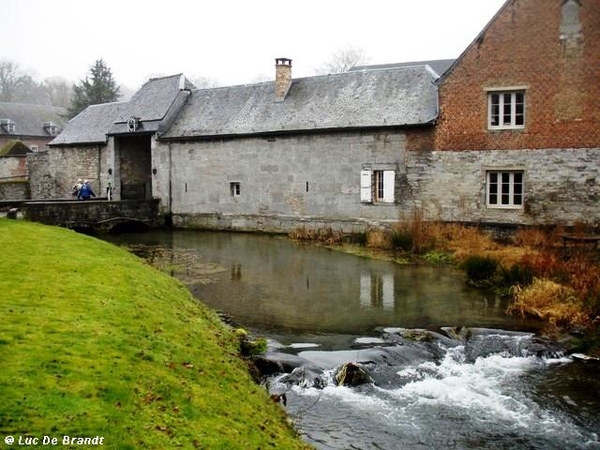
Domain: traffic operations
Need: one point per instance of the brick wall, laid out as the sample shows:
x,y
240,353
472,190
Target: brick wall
x,y
523,47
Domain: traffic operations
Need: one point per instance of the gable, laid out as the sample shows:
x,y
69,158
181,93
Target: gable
x,y
545,52
14,148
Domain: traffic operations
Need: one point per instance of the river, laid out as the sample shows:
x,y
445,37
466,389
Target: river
x,y
448,368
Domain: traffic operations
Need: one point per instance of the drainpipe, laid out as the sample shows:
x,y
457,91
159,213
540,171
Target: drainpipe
x,y
170,207
99,185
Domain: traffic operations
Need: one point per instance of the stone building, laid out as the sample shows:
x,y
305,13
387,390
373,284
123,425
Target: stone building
x,y
24,128
507,133
110,143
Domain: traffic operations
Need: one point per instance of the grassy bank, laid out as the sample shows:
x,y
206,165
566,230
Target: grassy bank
x,y
94,342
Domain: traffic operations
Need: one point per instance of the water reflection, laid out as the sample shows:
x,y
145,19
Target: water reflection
x,y
274,284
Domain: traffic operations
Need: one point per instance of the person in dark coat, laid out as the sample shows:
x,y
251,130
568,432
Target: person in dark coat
x,y
86,191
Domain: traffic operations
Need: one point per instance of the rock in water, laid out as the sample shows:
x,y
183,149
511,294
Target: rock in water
x,y
351,374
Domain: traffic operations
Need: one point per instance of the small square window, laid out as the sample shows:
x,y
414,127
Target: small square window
x,y
377,186
235,188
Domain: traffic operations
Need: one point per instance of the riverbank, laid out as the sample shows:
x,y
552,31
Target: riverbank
x,y
546,276
97,344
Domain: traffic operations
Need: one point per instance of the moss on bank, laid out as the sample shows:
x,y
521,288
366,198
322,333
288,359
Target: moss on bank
x,y
94,342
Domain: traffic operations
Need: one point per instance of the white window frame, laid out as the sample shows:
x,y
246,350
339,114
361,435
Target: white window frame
x,y
507,108
505,188
377,186
33,148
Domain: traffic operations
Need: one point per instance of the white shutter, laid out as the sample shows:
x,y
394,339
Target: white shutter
x,y
365,186
389,177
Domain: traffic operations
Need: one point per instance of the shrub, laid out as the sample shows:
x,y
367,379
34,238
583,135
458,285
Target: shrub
x,y
550,302
480,270
378,239
401,239
518,274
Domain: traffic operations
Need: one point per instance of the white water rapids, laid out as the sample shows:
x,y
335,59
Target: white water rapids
x,y
475,396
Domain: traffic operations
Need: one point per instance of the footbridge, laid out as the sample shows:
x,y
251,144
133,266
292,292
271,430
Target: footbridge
x,y
95,216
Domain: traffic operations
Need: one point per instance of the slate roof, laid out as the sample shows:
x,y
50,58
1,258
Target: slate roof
x,y
14,148
91,125
439,66
29,119
151,103
396,96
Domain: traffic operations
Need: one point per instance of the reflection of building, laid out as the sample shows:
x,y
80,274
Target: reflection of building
x,y
509,133
377,291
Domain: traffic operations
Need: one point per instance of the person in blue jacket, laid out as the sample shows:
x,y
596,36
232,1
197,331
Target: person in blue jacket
x,y
86,191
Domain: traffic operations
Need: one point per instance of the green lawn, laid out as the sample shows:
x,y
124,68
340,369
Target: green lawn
x,y
94,342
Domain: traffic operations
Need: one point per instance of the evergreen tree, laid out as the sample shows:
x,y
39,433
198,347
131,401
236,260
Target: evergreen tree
x,y
100,87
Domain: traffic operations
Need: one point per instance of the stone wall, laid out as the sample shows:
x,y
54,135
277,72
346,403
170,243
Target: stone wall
x,y
97,214
561,186
282,180
12,167
54,172
14,190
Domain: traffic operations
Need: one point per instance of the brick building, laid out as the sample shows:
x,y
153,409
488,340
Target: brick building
x,y
507,133
518,134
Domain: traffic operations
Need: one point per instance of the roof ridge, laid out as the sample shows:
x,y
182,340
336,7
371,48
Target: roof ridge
x,y
313,77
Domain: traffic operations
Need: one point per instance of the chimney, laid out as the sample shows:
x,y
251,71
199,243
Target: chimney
x,y
283,78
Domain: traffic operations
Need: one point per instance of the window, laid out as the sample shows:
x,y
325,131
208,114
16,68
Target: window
x,y
33,148
8,125
505,189
377,186
506,110
235,188
51,128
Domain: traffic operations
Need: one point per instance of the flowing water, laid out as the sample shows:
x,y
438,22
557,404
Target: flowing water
x,y
448,368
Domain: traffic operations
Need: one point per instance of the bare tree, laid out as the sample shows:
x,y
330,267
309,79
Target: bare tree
x,y
12,81
343,60
202,82
59,91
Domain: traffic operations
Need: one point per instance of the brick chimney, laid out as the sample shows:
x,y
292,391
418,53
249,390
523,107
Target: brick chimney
x,y
283,77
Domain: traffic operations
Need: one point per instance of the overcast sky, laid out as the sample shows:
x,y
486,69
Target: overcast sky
x,y
230,41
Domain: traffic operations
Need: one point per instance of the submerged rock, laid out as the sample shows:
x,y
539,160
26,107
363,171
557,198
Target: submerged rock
x,y
275,362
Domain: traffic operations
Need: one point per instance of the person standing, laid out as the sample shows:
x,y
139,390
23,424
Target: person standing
x,y
86,192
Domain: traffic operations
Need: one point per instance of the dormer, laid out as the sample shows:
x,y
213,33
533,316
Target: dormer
x,y
51,128
8,126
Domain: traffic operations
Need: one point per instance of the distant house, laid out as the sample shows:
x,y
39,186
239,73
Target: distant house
x,y
24,128
34,125
507,133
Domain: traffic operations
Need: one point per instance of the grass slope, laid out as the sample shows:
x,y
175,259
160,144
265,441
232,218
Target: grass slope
x,y
93,342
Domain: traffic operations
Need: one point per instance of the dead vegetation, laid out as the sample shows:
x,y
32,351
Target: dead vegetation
x,y
557,284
